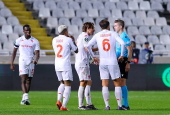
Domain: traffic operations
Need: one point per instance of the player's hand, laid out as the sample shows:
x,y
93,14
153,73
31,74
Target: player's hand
x,y
96,60
127,68
12,67
34,62
86,49
120,59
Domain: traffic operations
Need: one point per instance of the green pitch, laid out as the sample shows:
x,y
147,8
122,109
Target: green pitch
x,y
43,103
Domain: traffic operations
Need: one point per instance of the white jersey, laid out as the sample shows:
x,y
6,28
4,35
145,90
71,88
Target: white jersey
x,y
62,46
82,57
27,47
106,42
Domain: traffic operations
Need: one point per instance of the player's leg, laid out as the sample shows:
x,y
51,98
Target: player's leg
x,y
81,95
28,83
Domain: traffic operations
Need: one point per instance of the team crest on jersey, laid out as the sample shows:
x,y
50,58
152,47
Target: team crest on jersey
x,y
86,39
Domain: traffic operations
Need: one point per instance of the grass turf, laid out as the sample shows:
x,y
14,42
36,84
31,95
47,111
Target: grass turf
x,y
43,103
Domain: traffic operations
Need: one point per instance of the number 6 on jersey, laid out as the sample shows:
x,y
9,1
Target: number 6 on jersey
x,y
106,45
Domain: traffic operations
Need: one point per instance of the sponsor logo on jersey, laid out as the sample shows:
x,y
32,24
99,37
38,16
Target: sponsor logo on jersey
x,y
25,46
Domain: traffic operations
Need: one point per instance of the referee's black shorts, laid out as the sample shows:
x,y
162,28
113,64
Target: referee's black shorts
x,y
122,66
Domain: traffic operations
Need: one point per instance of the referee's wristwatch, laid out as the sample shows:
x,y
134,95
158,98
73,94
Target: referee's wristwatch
x,y
127,61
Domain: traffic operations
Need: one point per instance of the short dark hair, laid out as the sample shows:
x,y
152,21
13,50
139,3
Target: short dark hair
x,y
87,25
134,43
121,23
28,26
104,24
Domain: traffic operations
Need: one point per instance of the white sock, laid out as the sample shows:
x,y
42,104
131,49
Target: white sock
x,y
105,92
25,96
60,92
81,96
118,95
66,95
88,95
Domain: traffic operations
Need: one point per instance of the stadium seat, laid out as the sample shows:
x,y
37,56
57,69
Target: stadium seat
x,y
69,13
44,13
159,1
111,20
157,6
81,13
1,5
76,21
140,14
97,28
159,47
167,47
64,21
74,5
88,19
165,39
110,5
139,46
3,38
161,21
57,13
104,13
2,21
144,5
50,4
114,0
153,39
156,30
149,21
13,37
86,5
8,46
98,5
132,30
144,30
127,21
131,38
73,29
5,12
38,5
98,20
116,13
80,1
153,14
62,5
12,20
18,29
140,39
166,29
137,21
129,14
52,22
7,29
133,5
168,6
138,0
121,5
93,13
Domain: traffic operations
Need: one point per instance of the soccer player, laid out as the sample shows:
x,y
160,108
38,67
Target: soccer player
x,y
28,46
82,66
125,64
62,45
108,65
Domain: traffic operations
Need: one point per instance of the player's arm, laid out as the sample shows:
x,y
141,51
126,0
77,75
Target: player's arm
x,y
73,44
37,53
94,49
129,48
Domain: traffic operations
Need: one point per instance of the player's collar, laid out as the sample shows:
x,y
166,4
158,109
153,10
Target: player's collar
x,y
27,39
62,36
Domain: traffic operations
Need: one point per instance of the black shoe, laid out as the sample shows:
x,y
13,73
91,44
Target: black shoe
x,y
128,108
83,108
107,108
121,108
91,107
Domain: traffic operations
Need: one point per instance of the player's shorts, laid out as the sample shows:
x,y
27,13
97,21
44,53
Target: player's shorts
x,y
64,75
83,73
122,66
26,67
109,70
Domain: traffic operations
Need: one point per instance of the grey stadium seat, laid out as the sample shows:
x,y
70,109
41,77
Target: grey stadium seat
x,y
121,5
81,13
159,47
13,36
129,14
76,21
69,13
114,0
86,5
137,21
140,14
44,13
98,20
111,20
149,21
159,1
98,5
127,21
167,46
88,19
2,21
168,6
140,39
93,13
64,21
5,12
51,5
7,29
38,5
1,5
157,6
139,46
62,5
166,1
144,30
73,29
18,29
133,5
3,38
165,39
166,29
161,21
132,30
74,5
153,39
8,46
144,5
110,5
57,13
153,14
116,13
104,13
156,30
52,22
12,20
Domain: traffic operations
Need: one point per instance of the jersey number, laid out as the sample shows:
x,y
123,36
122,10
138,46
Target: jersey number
x,y
106,45
61,48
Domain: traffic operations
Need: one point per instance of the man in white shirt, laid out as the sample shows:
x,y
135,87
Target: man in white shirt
x,y
62,45
28,47
108,65
82,67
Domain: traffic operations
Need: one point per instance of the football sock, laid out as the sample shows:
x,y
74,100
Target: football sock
x,y
118,95
81,96
125,96
105,92
25,96
88,95
66,95
60,92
